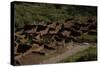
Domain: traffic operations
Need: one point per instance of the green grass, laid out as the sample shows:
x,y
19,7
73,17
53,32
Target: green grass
x,y
89,54
29,13
90,38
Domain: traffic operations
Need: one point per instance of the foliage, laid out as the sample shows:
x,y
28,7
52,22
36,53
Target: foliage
x,y
89,54
90,38
30,13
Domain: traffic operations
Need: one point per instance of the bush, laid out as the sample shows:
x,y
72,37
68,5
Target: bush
x,y
28,13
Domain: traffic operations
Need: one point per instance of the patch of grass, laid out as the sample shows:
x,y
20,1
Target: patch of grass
x,y
89,54
90,38
30,13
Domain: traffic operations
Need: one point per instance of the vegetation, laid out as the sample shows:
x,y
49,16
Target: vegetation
x,y
33,13
89,54
89,38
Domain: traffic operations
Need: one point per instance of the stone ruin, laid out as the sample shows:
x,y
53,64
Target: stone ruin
x,y
35,38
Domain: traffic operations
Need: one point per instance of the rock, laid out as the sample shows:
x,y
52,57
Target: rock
x,y
23,48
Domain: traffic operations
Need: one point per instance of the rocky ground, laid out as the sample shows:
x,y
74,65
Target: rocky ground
x,y
46,39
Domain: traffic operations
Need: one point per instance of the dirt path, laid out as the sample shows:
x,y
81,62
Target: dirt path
x,y
71,51
38,59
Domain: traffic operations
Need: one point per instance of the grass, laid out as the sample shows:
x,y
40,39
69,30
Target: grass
x,y
89,54
30,13
90,38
